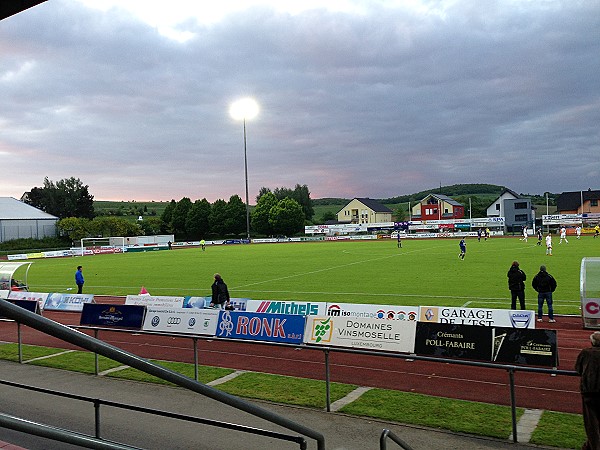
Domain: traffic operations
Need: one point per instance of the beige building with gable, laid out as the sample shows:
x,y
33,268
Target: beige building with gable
x,y
364,210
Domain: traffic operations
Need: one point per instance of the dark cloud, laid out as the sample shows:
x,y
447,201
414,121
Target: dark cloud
x,y
380,104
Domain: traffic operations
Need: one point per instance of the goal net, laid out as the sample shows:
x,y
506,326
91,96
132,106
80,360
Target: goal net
x,y
96,246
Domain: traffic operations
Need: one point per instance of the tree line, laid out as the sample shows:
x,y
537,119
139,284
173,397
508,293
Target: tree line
x,y
283,211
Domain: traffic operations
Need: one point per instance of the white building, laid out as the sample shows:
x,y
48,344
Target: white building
x,y
19,220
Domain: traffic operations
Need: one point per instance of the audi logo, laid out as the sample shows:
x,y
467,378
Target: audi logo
x,y
174,320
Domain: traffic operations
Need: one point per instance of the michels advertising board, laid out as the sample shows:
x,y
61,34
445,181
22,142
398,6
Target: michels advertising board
x,y
371,334
286,307
477,316
261,327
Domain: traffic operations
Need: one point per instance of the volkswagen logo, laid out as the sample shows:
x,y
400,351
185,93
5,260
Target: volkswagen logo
x,y
174,320
192,322
155,321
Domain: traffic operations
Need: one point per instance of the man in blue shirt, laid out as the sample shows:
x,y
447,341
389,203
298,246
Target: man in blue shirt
x,y
79,279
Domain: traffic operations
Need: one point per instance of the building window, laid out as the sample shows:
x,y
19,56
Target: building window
x,y
497,206
520,217
521,205
594,202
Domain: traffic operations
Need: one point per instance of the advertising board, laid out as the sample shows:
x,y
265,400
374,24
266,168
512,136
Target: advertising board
x,y
357,310
67,302
477,316
186,320
261,327
287,307
155,301
109,315
371,334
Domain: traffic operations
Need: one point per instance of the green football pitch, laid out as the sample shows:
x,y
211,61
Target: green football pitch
x,y
422,272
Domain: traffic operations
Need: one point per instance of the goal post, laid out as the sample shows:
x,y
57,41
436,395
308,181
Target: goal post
x,y
115,244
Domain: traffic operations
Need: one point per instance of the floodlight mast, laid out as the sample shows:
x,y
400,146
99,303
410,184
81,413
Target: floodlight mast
x,y
243,109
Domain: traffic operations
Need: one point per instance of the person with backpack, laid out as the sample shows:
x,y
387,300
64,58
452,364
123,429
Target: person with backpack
x,y
220,293
545,285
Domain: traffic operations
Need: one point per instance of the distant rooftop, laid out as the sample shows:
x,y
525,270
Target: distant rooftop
x,y
12,209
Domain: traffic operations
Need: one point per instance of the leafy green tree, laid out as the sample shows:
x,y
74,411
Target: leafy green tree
x,y
301,194
236,216
179,217
328,215
152,226
262,191
113,226
197,223
218,217
260,214
68,197
74,227
400,214
167,216
287,217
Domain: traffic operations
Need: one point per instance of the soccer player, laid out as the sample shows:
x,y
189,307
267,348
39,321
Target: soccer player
x,y
563,235
578,231
540,236
549,244
463,248
596,231
524,234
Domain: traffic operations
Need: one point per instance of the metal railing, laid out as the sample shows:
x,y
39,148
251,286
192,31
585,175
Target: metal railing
x,y
97,403
65,333
387,434
510,369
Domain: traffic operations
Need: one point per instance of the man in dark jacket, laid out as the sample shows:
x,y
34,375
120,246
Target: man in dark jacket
x,y
545,285
220,293
516,285
588,366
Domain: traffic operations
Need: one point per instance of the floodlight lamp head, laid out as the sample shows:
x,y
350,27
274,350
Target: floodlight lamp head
x,y
244,109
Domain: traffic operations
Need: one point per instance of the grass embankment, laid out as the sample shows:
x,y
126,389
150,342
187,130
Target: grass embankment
x,y
554,429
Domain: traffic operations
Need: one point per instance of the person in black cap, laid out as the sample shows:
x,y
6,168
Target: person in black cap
x,y
545,285
516,285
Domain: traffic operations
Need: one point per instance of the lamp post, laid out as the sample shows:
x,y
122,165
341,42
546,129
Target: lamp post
x,y
243,109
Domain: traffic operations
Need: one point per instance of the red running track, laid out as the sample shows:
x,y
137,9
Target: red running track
x,y
532,390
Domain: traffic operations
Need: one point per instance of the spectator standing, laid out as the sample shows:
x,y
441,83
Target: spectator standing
x,y
516,285
544,284
220,293
588,367
79,279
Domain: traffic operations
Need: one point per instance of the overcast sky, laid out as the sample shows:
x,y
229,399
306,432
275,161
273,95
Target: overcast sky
x,y
357,98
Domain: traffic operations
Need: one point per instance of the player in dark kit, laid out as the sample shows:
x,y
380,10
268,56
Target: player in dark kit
x,y
463,249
